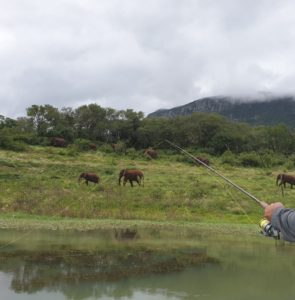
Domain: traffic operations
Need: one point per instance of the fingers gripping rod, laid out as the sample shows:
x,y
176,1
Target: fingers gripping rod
x,y
261,203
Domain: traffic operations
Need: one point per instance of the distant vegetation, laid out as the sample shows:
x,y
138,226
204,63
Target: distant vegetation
x,y
209,133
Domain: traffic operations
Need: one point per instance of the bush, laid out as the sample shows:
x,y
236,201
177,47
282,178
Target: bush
x,y
271,159
107,148
184,159
9,143
291,159
28,138
250,159
72,152
229,158
289,165
132,153
82,144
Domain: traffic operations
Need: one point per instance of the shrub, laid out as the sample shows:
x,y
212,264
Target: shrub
x,y
132,153
291,158
229,158
107,148
82,144
9,143
184,159
28,138
250,159
289,165
72,152
271,159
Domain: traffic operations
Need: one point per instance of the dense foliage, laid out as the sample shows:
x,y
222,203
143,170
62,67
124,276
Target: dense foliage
x,y
209,133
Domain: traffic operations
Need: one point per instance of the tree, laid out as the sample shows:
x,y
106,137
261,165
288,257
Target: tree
x,y
90,122
44,118
280,138
128,123
7,122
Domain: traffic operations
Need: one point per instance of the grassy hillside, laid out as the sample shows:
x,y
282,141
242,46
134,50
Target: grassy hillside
x,y
43,181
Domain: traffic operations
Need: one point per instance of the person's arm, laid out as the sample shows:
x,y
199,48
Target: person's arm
x,y
282,219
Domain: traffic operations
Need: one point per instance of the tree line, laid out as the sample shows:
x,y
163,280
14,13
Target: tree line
x,y
209,133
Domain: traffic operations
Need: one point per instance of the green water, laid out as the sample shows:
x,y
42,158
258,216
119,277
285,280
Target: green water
x,y
150,264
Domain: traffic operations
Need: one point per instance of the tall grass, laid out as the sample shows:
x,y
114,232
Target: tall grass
x,y
43,181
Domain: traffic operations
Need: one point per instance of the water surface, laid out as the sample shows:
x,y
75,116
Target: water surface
x,y
146,264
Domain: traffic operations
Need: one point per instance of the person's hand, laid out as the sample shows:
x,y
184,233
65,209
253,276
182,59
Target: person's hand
x,y
270,209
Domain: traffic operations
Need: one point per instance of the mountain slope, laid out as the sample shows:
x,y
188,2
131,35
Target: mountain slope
x,y
271,111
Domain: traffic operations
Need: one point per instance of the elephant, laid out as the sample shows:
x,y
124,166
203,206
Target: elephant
x,y
131,175
285,178
203,160
151,153
58,142
118,148
92,146
92,177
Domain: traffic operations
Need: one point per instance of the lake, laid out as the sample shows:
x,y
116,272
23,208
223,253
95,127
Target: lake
x,y
128,263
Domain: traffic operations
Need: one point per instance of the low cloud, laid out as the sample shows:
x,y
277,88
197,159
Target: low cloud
x,y
143,55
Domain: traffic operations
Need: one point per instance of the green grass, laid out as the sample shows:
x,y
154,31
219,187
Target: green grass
x,y
43,182
25,222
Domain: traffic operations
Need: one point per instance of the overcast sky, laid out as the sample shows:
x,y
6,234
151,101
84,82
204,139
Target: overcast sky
x,y
142,54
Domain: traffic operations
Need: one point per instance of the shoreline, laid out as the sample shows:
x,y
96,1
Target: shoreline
x,y
84,225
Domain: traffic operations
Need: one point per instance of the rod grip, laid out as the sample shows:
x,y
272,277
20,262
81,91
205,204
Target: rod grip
x,y
263,204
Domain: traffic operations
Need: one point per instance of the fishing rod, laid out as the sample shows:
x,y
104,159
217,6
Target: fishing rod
x,y
266,227
261,203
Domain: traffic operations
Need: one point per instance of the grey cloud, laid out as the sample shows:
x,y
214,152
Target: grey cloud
x,y
143,55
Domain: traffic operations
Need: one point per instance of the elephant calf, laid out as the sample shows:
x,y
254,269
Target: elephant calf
x,y
92,177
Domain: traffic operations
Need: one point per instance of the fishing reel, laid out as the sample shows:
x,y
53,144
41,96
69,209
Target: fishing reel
x,y
268,230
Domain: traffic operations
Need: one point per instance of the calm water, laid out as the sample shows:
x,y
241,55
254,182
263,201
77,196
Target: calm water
x,y
126,264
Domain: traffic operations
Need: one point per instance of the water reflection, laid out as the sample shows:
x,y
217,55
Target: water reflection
x,y
126,234
32,271
128,264
77,268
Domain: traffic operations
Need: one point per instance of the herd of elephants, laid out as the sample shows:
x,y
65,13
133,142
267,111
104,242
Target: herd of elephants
x,y
134,175
130,175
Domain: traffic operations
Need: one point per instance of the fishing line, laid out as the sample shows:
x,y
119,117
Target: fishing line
x,y
261,203
229,193
238,203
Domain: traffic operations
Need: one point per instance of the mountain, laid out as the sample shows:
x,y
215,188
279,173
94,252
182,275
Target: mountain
x,y
267,112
